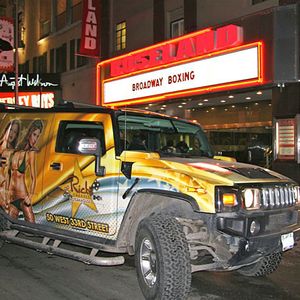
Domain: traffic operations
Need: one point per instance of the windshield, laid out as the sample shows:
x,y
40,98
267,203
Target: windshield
x,y
166,136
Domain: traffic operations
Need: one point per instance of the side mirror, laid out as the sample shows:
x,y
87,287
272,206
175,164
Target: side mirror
x,y
92,146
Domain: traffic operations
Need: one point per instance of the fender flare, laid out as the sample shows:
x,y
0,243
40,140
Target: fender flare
x,y
146,202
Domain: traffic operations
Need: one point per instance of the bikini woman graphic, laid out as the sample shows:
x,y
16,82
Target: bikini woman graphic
x,y
23,159
8,142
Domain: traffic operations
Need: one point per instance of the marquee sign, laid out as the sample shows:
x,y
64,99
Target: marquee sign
x,y
34,89
34,99
29,82
196,63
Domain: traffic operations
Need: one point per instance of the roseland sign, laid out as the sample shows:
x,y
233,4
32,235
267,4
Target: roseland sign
x,y
192,64
35,90
90,33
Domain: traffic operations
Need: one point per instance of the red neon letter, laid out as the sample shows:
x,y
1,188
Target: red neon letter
x,y
229,35
141,61
185,49
155,57
116,68
205,43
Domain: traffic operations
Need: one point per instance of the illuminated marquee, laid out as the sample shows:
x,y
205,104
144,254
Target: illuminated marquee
x,y
195,63
34,99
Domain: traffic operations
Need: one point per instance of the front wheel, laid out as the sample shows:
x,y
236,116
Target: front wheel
x,y
162,258
263,267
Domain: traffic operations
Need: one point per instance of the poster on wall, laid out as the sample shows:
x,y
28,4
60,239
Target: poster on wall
x,y
285,136
6,44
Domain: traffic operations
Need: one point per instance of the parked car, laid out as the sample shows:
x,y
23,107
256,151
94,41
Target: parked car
x,y
68,177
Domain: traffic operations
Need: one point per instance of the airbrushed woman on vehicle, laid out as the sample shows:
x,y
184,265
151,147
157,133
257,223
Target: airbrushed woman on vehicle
x,y
23,160
8,143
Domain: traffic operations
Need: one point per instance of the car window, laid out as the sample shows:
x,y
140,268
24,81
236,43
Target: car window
x,y
70,132
166,136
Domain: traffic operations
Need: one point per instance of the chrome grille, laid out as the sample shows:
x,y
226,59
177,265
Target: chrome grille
x,y
278,197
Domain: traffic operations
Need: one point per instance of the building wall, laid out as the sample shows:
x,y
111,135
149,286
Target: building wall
x,y
77,84
139,22
211,13
174,10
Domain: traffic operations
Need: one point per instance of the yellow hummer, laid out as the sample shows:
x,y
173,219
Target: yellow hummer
x,y
128,181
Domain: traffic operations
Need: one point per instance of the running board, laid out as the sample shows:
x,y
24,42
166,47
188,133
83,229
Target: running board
x,y
11,236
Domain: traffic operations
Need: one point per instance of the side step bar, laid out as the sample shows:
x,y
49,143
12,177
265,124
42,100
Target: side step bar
x,y
11,236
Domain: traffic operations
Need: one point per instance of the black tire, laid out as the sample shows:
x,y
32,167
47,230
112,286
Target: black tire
x,y
164,269
3,225
265,266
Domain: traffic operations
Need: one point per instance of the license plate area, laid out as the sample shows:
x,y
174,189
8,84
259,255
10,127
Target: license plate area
x,y
287,241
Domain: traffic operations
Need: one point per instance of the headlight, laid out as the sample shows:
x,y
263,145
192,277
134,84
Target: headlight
x,y
226,199
251,198
229,199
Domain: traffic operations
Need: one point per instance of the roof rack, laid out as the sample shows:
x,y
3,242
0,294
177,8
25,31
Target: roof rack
x,y
4,106
73,104
62,104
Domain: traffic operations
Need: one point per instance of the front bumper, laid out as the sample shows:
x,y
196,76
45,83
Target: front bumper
x,y
267,223
254,244
232,244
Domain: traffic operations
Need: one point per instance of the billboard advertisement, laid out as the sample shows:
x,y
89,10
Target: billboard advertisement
x,y
6,44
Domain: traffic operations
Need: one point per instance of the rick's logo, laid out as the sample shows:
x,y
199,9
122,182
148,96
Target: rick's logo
x,y
79,190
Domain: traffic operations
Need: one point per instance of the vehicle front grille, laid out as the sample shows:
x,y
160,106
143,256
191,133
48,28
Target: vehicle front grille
x,y
278,197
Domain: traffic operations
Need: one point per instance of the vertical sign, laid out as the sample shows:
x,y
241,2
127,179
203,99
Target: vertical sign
x,y
90,33
6,44
285,136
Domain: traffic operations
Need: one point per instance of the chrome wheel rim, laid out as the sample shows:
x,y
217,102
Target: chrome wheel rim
x,y
148,262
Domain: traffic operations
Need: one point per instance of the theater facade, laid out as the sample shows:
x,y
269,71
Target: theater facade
x,y
239,80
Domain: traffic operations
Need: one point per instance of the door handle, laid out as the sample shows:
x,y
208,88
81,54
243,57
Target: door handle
x,y
55,166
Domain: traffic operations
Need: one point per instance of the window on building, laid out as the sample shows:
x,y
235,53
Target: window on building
x,y
81,60
52,61
257,1
121,36
177,28
61,59
45,18
72,54
2,10
35,65
61,14
24,68
42,61
76,10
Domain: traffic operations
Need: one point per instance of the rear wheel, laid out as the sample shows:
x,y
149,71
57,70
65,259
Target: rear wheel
x,y
3,225
265,266
162,259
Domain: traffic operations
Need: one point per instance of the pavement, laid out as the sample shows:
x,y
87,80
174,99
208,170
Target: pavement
x,y
30,275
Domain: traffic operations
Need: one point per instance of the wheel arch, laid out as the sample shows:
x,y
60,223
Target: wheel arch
x,y
147,202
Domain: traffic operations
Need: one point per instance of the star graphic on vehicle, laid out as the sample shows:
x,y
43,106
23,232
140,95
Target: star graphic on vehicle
x,y
79,190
